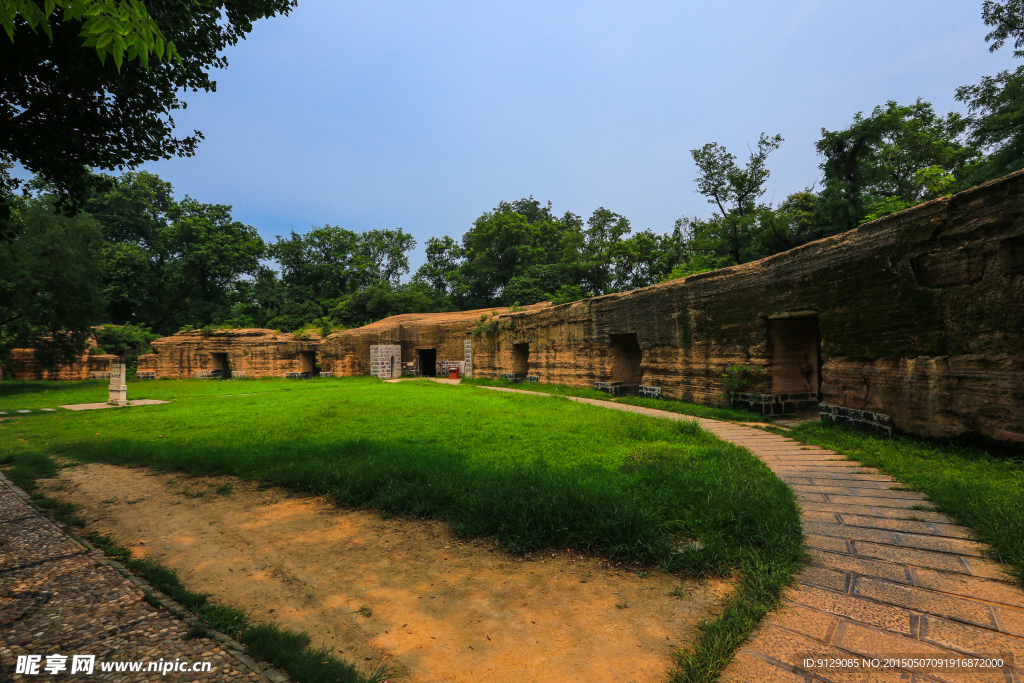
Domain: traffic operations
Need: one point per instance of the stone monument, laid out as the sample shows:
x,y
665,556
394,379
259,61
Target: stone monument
x,y
118,389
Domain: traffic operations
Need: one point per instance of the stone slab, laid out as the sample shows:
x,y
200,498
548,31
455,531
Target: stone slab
x,y
100,406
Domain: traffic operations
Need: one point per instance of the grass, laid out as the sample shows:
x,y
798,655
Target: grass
x,y
31,395
681,407
978,488
556,389
533,472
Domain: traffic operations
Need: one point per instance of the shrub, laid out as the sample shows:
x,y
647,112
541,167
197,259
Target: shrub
x,y
738,377
569,293
127,341
486,324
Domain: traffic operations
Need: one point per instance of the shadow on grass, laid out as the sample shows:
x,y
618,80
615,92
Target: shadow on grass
x,y
649,511
11,388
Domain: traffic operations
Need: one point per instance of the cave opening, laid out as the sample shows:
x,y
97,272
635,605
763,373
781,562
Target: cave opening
x,y
796,356
627,358
428,362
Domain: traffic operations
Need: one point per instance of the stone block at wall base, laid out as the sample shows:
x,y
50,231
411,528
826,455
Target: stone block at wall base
x,y
649,392
776,404
514,376
873,423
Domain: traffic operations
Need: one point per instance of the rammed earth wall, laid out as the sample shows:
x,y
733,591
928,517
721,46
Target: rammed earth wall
x,y
449,335
25,364
913,322
249,353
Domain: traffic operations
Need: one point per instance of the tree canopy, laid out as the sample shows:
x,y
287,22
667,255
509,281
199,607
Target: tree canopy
x,y
63,111
120,29
140,258
50,281
996,105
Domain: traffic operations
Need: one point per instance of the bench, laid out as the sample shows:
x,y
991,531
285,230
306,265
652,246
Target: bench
x,y
649,392
613,388
146,374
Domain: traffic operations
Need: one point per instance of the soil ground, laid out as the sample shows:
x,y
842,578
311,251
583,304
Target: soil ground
x,y
438,608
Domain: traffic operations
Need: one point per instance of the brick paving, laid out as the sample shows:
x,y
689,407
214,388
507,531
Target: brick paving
x,y
888,577
60,597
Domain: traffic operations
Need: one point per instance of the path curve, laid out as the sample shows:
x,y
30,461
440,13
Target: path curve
x,y
888,577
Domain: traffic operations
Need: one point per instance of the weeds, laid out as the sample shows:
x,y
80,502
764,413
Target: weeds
x,y
198,630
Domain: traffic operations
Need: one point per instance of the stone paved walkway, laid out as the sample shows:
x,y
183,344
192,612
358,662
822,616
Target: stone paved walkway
x,y
58,597
888,576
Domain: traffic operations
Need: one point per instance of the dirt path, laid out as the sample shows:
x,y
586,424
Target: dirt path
x,y
436,608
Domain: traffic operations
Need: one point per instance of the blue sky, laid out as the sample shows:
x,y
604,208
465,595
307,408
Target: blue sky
x,y
425,115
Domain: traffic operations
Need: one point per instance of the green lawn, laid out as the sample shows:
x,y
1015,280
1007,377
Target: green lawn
x,y
27,395
534,472
980,489
669,405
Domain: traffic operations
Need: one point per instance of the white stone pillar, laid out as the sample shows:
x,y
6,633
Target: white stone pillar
x,y
118,395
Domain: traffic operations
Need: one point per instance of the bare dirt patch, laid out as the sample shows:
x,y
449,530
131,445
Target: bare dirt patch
x,y
407,591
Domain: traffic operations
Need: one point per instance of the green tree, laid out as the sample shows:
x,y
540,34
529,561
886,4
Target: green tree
x,y
602,246
122,29
62,111
522,241
384,299
996,105
324,269
50,275
647,258
789,225
170,263
331,262
893,157
440,271
729,234
209,252
125,341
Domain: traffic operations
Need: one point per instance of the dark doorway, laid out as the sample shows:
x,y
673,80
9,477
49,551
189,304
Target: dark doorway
x,y
796,364
307,359
221,366
521,358
626,360
428,362
393,374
